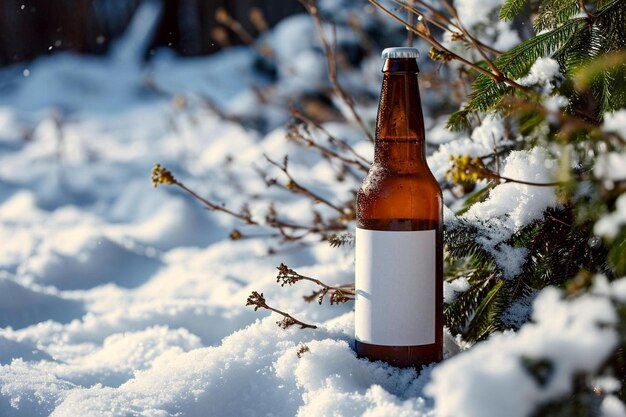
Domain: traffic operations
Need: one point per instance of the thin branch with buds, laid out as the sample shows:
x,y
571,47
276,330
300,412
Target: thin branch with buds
x,y
296,188
471,39
338,294
343,145
302,135
162,176
409,18
443,22
286,276
319,227
257,300
466,169
499,77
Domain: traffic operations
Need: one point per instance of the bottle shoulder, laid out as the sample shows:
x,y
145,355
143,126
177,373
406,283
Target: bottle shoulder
x,y
388,195
416,179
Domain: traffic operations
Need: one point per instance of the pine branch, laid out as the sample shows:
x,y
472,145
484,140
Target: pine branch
x,y
511,8
476,197
515,63
461,243
574,42
555,13
459,313
459,120
486,318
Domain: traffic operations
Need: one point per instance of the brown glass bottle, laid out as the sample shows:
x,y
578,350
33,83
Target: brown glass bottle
x,y
397,321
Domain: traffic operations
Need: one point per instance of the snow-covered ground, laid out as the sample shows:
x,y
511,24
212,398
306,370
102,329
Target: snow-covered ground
x,y
118,299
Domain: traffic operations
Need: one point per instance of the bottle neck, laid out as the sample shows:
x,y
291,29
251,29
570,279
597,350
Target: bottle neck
x,y
400,122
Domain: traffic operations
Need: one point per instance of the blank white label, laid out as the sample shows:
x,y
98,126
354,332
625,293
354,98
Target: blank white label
x,y
395,287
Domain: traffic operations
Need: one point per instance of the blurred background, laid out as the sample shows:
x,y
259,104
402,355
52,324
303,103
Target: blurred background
x,y
31,28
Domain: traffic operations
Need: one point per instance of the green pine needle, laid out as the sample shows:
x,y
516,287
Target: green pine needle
x,y
511,8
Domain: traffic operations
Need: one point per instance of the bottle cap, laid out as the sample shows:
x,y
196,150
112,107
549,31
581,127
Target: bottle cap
x,y
400,52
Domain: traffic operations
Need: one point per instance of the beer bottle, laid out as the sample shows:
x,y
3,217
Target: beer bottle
x,y
399,243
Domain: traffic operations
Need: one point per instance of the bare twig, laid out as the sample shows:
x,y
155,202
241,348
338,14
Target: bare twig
x,y
496,157
516,181
180,101
295,187
255,14
222,16
318,227
466,169
296,134
338,294
343,145
331,59
499,77
471,39
245,216
285,229
443,22
302,349
445,26
409,18
257,300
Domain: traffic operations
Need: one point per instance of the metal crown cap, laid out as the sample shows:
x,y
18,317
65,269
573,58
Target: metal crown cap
x,y
400,52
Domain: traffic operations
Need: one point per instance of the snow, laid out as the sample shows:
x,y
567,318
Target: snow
x,y
473,12
511,206
615,122
611,166
569,336
117,299
544,72
484,138
506,36
452,289
610,224
518,312
554,104
612,407
257,371
490,133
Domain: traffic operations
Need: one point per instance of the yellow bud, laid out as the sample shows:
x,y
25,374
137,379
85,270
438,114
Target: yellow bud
x,y
161,175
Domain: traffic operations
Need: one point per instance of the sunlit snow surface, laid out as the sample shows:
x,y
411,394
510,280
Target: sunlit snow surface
x,y
118,299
